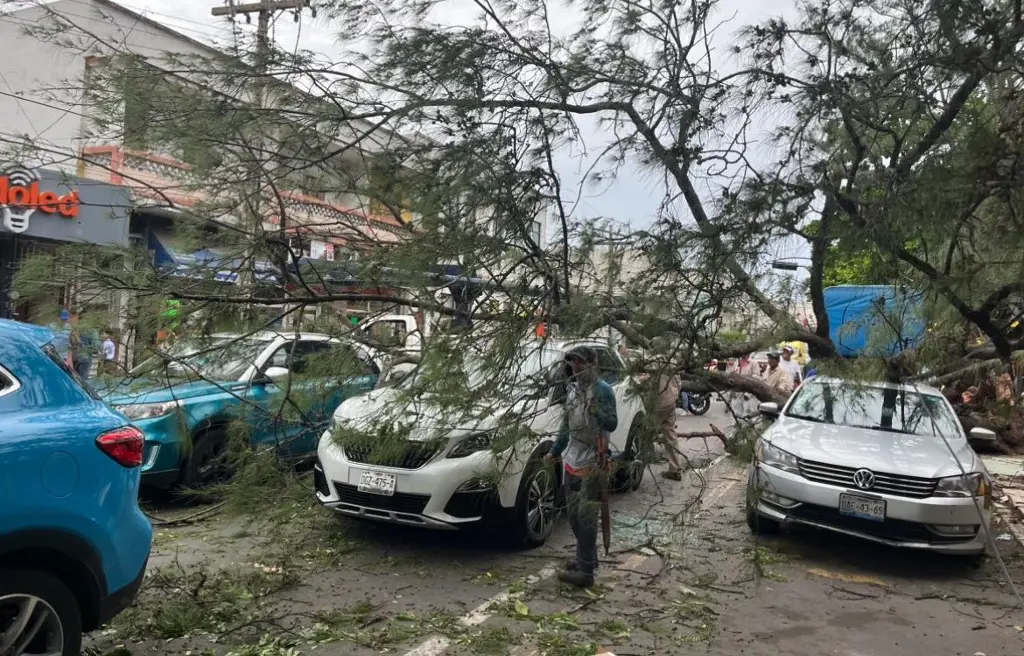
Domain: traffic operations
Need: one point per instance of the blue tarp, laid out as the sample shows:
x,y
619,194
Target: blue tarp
x,y
873,320
206,263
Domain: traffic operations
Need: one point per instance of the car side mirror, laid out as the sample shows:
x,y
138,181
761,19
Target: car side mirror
x,y
395,376
981,437
273,374
769,409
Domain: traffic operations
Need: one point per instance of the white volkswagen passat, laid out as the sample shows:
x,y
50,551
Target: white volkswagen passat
x,y
445,474
884,462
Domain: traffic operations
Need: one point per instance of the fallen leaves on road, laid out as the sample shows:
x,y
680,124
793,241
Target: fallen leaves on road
x,y
847,578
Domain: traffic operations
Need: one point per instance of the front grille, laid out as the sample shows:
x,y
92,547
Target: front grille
x,y
894,484
897,530
406,455
400,502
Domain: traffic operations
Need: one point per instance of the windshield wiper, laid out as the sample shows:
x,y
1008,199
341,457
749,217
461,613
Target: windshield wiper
x,y
885,429
807,418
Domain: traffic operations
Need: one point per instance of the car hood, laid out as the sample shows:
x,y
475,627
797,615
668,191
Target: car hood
x,y
154,391
925,456
426,418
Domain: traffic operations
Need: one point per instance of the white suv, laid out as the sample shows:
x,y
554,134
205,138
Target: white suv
x,y
450,483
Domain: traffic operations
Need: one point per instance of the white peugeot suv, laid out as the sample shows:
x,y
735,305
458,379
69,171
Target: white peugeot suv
x,y
442,475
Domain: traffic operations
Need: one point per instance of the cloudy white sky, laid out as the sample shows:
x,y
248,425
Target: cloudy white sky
x,y
632,198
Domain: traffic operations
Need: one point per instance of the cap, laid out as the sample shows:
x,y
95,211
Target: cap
x,y
787,349
773,355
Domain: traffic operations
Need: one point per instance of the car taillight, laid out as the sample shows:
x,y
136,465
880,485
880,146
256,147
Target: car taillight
x,y
124,445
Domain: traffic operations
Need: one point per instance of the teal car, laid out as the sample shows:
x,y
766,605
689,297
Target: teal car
x,y
277,389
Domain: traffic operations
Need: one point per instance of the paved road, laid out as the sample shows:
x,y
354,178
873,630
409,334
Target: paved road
x,y
683,575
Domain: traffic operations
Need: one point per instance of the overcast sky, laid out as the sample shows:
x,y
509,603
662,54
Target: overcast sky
x,y
632,198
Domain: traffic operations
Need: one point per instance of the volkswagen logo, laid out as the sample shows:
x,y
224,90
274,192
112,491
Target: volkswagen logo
x,y
864,479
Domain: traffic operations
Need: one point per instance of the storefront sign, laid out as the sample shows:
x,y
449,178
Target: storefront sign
x,y
20,197
53,205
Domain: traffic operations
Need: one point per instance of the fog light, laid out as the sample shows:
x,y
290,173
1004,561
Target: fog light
x,y
955,529
474,485
771,497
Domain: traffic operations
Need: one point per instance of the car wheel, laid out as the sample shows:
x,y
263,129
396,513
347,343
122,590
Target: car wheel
x,y
207,464
38,615
630,473
536,505
759,525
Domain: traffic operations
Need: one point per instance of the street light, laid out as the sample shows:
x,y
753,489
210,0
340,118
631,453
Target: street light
x,y
789,265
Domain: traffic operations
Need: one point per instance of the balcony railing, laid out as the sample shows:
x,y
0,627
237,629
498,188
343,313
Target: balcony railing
x,y
159,180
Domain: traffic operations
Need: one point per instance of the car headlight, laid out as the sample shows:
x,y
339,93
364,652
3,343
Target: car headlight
x,y
773,456
137,411
471,444
969,485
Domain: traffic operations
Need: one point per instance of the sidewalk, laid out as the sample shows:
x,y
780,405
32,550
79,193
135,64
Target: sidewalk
x,y
1008,472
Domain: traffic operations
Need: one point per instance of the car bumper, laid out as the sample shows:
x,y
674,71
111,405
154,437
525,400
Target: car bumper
x,y
164,449
437,495
909,523
118,600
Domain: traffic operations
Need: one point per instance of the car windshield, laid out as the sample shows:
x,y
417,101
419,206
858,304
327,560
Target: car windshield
x,y
528,369
877,408
220,358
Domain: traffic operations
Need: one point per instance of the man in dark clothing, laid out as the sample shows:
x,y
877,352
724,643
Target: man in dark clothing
x,y
589,415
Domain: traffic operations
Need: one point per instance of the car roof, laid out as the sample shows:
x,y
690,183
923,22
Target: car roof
x,y
17,330
879,384
269,335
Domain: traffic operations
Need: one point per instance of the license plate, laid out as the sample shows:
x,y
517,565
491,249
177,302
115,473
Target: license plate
x,y
862,507
377,483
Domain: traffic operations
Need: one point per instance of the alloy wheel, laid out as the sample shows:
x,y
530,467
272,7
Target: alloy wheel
x,y
540,503
29,626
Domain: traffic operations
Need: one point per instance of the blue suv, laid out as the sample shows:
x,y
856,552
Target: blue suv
x,y
73,542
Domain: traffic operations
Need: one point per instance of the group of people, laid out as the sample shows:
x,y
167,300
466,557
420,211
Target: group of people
x,y
80,347
783,373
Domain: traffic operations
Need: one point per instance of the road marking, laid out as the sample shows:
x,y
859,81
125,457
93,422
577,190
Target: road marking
x,y
437,645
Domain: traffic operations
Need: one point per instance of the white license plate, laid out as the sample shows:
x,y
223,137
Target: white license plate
x,y
863,507
377,483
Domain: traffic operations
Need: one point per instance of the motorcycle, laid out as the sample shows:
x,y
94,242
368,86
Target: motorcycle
x,y
693,402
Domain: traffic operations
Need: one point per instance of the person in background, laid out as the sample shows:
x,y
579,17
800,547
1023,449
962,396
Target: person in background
x,y
745,367
777,377
791,366
62,338
109,349
588,416
82,348
667,393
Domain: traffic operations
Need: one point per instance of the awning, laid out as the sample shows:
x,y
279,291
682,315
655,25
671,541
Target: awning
x,y
205,263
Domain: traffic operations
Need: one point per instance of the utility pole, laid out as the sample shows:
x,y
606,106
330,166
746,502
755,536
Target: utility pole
x,y
264,10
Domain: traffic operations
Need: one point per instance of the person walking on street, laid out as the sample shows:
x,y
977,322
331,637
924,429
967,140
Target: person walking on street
x,y
589,415
665,414
109,354
776,377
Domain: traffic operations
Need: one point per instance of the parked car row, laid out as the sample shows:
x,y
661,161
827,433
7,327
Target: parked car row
x,y
883,462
